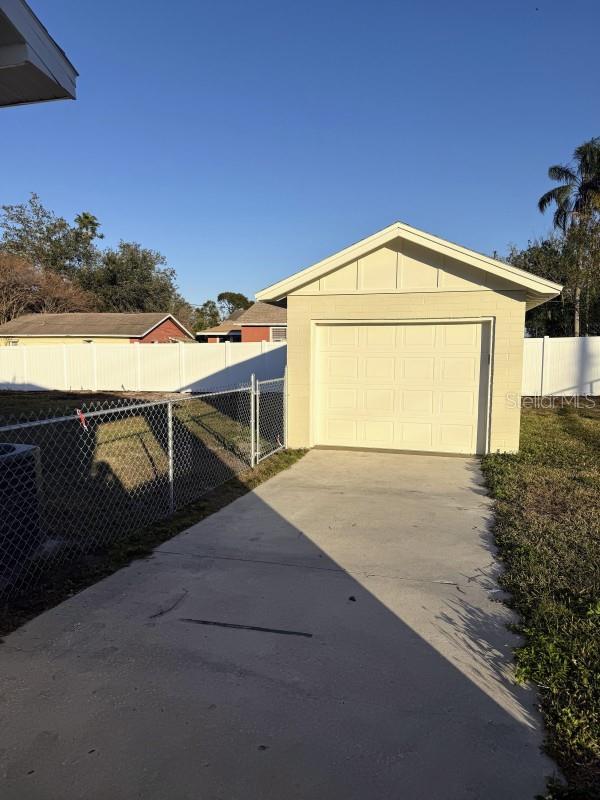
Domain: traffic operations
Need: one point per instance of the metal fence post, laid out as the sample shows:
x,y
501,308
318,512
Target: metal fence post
x,y
252,420
170,454
257,441
285,408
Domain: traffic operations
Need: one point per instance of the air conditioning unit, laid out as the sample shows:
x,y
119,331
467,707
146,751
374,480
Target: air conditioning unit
x,y
20,526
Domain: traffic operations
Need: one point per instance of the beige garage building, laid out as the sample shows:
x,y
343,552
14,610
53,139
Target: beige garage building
x,y
408,342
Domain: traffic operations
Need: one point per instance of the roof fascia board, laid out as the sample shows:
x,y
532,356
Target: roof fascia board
x,y
48,55
160,322
97,335
522,279
70,335
491,265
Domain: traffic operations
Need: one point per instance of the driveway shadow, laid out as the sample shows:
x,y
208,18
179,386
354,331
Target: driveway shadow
x,y
291,646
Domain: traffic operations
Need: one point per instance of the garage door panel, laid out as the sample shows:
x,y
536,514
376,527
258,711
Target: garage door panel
x,y
339,430
343,398
405,386
379,400
413,368
418,401
458,403
456,437
342,366
380,336
416,435
343,336
459,369
459,335
419,336
378,432
380,367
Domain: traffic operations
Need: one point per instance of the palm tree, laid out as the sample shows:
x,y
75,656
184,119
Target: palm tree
x,y
577,199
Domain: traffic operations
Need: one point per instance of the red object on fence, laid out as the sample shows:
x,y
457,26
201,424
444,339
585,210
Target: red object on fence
x,y
81,418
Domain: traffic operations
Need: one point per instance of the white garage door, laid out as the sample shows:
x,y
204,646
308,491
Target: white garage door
x,y
407,386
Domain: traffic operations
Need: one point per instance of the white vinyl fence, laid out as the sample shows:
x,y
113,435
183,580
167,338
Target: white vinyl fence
x,y
563,366
139,367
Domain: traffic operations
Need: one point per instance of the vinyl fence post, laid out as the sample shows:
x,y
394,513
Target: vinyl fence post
x,y
253,420
545,366
170,454
94,365
65,368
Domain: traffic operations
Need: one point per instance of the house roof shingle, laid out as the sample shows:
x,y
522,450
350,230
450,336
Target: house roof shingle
x,y
86,324
257,314
261,313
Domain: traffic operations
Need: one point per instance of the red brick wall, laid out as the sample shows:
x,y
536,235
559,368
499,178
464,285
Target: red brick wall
x,y
164,332
256,333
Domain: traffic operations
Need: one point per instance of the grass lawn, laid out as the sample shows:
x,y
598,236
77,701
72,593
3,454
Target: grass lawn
x,y
65,580
41,404
548,533
102,481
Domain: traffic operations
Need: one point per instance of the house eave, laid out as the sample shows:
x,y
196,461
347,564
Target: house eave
x,y
33,68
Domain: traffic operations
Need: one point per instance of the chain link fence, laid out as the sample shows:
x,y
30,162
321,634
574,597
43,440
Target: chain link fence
x,y
71,484
270,417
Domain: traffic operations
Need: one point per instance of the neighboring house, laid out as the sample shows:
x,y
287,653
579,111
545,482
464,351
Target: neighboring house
x,y
408,342
227,331
143,328
33,67
262,322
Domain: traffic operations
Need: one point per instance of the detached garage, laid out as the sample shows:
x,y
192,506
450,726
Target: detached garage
x,y
408,342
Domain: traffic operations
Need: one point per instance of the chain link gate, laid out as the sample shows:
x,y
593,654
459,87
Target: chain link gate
x,y
269,415
71,484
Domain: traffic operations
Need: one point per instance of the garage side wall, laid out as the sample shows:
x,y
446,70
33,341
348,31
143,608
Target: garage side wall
x,y
506,308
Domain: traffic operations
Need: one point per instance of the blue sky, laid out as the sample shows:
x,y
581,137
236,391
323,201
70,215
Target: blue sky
x,y
247,139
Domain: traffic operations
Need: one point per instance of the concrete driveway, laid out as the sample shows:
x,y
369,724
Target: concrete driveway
x,y
332,635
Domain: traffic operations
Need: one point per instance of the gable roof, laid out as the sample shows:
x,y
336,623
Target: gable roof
x,y
127,325
257,314
538,289
263,313
223,327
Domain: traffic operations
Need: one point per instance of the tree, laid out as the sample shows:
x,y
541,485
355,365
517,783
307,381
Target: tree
x,y
582,261
206,316
25,289
569,258
49,242
64,260
17,283
131,278
577,202
546,258
58,295
231,301
182,311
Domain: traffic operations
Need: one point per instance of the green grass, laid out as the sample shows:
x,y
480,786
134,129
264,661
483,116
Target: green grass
x,y
59,584
103,481
113,476
41,404
547,530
